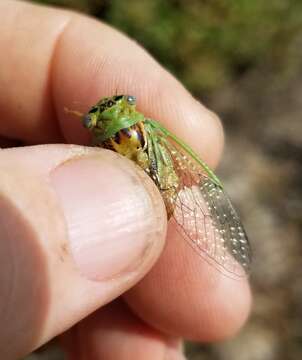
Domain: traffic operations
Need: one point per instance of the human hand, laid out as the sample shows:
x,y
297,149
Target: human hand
x,y
80,227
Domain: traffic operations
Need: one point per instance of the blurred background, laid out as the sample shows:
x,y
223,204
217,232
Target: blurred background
x,y
243,59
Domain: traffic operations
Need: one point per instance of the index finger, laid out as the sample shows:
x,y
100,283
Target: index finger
x,y
56,59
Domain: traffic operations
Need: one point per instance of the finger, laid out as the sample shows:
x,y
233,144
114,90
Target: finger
x,y
113,332
78,60
183,295
79,226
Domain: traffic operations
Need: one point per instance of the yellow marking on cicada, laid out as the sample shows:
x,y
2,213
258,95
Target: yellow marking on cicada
x,y
130,142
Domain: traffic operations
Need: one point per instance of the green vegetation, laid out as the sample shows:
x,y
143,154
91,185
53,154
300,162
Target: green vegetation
x,y
205,43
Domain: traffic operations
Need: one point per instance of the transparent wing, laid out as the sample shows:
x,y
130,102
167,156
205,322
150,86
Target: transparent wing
x,y
206,217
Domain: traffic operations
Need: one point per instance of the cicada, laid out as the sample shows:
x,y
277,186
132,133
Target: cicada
x,y
193,195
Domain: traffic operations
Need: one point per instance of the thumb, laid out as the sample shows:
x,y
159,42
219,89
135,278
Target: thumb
x,y
79,226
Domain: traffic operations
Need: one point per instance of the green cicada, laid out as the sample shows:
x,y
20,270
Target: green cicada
x,y
193,195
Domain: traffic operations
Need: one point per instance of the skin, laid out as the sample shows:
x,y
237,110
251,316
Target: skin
x,y
118,311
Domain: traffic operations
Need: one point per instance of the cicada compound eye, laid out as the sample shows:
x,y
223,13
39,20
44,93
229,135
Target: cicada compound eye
x,y
87,121
131,100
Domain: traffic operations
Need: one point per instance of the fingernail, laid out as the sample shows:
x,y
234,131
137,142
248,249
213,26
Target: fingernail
x,y
110,215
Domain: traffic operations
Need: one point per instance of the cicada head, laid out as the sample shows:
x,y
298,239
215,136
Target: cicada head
x,y
110,115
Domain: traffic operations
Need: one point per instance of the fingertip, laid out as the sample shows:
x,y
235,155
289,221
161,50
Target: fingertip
x,y
207,304
111,209
170,103
228,309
